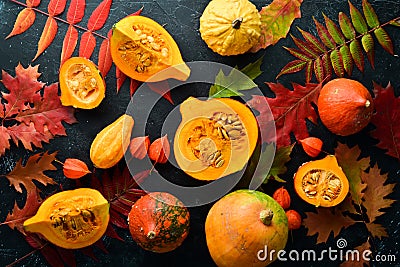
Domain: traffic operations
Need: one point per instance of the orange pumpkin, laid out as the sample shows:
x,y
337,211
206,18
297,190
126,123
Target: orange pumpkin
x,y
159,222
345,106
81,83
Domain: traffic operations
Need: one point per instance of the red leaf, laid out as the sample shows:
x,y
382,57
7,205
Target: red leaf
x,y
139,147
4,140
33,170
76,11
110,232
117,220
23,88
75,168
32,3
28,135
105,61
87,45
69,43
159,150
48,113
121,77
162,88
16,218
56,7
386,119
48,34
99,16
23,22
67,256
290,110
133,86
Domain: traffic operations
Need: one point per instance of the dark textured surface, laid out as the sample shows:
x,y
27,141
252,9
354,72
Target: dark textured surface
x,y
181,19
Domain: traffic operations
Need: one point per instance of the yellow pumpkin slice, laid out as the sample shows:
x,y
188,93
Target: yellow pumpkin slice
x,y
141,48
321,182
215,138
71,219
81,83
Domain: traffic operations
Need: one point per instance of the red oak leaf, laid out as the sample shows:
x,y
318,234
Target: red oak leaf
x,y
386,119
290,109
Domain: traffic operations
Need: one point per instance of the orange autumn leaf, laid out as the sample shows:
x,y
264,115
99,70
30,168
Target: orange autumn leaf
x,y
159,150
325,221
139,147
33,170
87,45
47,37
358,262
75,168
69,43
23,22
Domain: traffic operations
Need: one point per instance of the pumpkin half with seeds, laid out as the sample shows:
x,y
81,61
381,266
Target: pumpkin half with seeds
x,y
141,48
321,182
71,219
215,138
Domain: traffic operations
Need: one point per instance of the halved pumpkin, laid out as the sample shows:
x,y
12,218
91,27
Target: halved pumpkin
x,y
71,219
141,48
81,83
215,138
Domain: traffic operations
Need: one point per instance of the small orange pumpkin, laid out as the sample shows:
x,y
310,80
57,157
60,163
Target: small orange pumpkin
x,y
345,106
81,83
321,182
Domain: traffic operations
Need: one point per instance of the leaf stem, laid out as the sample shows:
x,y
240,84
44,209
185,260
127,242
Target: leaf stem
x,y
26,255
58,18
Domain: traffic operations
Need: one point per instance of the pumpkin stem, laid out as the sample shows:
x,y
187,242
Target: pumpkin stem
x,y
367,103
151,235
237,22
266,216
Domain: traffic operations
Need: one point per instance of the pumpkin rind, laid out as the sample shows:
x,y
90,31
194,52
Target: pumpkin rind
x,y
141,48
235,232
321,182
110,144
71,219
206,146
345,106
81,83
159,222
230,27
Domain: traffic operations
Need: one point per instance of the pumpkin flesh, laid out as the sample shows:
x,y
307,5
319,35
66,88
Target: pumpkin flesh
x,y
81,83
215,138
141,48
71,219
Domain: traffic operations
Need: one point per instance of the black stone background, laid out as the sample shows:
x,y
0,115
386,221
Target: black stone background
x,y
181,19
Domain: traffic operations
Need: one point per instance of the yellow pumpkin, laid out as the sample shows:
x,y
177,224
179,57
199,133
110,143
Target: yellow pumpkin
x,y
230,27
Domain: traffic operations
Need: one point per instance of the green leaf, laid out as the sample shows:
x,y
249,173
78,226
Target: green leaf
x,y
309,68
346,59
312,40
230,85
282,156
384,40
345,25
276,19
368,44
297,53
357,55
337,63
334,31
323,33
292,67
305,47
319,70
358,20
395,22
326,61
370,15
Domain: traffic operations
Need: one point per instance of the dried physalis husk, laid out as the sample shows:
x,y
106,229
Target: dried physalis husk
x,y
139,147
75,168
281,195
294,219
159,150
312,146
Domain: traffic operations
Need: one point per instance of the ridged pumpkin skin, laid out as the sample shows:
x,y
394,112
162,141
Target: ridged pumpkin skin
x,y
81,83
110,144
235,232
345,106
140,59
230,27
71,219
306,176
159,222
201,114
